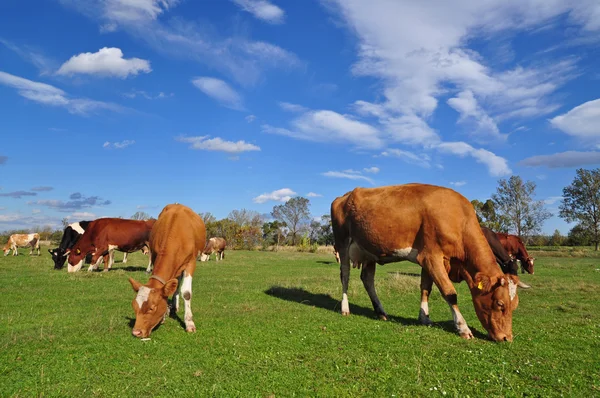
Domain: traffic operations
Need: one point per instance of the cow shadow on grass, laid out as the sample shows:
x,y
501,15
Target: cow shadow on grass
x,y
132,268
326,262
325,301
404,273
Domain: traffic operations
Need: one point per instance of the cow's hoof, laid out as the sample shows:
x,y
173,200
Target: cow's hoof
x,y
345,313
383,317
466,335
191,329
424,320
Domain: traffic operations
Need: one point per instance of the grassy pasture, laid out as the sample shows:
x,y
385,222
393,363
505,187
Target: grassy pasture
x,y
269,325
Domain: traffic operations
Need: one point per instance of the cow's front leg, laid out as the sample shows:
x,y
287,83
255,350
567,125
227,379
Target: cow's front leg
x,y
367,275
111,259
426,285
186,292
435,266
175,300
345,278
149,268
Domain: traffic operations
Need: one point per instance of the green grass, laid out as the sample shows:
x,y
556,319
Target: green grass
x,y
269,325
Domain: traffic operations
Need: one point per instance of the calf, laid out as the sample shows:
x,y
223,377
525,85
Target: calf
x,y
105,235
177,237
71,235
22,240
214,245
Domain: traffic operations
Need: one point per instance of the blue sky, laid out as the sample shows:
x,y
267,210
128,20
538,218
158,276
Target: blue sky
x,y
114,106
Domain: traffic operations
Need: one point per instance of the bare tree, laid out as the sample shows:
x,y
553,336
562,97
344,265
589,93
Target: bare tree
x,y
514,200
581,203
65,222
207,217
140,215
294,213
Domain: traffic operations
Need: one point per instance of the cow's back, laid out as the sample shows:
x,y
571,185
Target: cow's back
x,y
386,219
178,234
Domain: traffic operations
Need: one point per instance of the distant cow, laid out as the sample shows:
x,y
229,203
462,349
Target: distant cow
x,y
71,235
516,248
22,240
105,235
507,263
214,245
431,226
177,238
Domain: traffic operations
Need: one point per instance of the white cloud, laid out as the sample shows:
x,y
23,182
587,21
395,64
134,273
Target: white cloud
x,y
497,166
313,195
470,112
262,9
143,94
220,91
563,160
329,126
44,64
118,145
348,174
372,170
240,58
287,106
218,144
105,62
583,121
250,118
280,195
458,183
422,160
82,215
36,211
49,95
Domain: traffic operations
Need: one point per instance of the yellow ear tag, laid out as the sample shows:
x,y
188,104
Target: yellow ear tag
x,y
79,252
480,286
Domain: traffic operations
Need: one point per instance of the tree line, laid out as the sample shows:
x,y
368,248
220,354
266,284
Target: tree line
x,y
512,209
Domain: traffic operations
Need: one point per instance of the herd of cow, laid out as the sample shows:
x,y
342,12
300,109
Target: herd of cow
x,y
432,226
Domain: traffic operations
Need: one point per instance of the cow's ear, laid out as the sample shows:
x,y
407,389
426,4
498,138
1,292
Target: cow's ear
x,y
170,287
135,284
482,282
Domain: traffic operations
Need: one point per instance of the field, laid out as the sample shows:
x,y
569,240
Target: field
x,y
269,325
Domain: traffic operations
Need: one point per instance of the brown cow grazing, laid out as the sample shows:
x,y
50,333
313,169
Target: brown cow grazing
x,y
516,248
105,235
507,263
177,237
214,245
431,226
22,240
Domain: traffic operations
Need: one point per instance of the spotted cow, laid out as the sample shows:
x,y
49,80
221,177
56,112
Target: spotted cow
x,y
22,240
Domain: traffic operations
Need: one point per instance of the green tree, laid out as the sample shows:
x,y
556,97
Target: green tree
x,y
581,203
140,215
294,213
514,200
489,217
274,232
556,239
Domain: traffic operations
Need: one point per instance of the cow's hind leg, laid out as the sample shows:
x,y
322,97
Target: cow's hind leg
x,y
436,267
186,292
426,285
345,278
111,260
367,275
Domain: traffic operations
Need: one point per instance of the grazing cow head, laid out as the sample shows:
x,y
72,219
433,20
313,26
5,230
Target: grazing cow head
x,y
6,249
204,257
150,306
75,259
58,256
528,265
495,299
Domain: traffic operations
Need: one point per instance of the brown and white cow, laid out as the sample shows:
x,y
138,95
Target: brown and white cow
x,y
22,240
177,237
431,226
214,245
105,235
516,248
